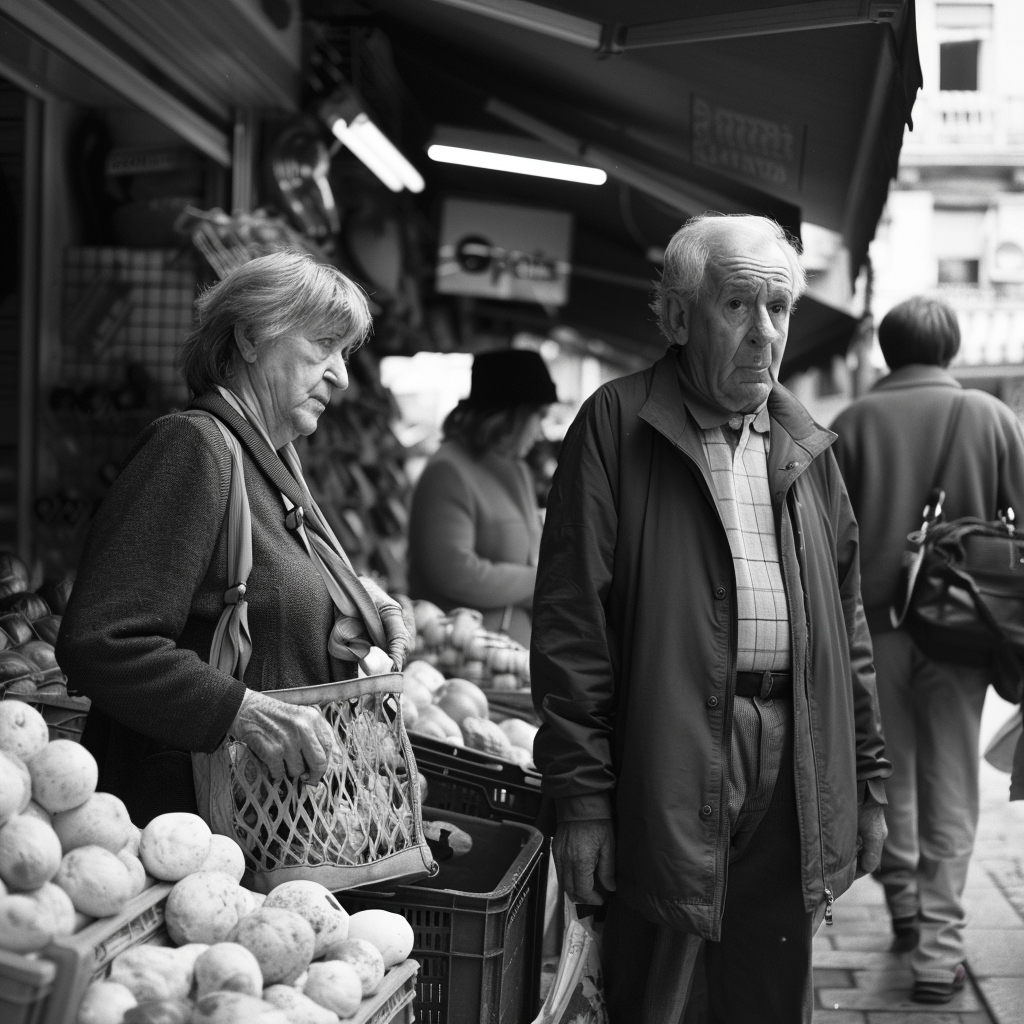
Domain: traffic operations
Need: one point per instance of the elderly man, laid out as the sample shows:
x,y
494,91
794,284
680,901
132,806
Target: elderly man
x,y
701,660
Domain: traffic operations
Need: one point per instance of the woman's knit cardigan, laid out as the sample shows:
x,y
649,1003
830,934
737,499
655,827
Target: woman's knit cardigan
x,y
150,589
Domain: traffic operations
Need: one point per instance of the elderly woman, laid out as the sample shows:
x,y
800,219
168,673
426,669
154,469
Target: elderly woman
x,y
169,631
474,532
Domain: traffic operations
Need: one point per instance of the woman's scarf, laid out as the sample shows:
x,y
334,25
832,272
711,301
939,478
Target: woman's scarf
x,y
358,626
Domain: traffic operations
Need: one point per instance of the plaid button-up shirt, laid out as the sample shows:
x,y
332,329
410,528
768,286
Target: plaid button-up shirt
x,y
739,472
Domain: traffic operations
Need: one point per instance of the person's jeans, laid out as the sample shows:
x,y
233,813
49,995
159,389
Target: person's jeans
x,y
931,716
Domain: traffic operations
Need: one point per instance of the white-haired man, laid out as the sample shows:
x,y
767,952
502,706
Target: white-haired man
x,y
701,661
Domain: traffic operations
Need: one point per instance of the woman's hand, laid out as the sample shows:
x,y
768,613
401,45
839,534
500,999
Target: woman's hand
x,y
398,639
290,740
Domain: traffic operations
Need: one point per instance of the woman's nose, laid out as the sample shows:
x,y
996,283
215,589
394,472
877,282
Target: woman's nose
x,y
336,373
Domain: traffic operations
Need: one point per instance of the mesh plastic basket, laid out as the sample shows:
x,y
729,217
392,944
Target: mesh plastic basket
x,y
361,824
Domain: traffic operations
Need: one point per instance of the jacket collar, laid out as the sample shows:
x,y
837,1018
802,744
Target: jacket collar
x,y
795,438
917,375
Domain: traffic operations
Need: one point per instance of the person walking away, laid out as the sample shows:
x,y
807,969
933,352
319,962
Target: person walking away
x,y
889,451
710,732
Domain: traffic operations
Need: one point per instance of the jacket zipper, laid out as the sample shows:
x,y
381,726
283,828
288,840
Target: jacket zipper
x,y
829,895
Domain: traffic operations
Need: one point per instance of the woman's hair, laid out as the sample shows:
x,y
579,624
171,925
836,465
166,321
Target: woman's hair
x,y
919,330
282,293
485,430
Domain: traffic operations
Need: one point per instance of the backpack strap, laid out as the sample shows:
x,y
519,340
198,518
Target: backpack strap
x,y
231,647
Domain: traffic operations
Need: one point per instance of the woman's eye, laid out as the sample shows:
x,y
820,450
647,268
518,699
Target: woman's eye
x,y
735,304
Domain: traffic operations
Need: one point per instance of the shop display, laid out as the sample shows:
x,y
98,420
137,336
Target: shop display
x,y
457,645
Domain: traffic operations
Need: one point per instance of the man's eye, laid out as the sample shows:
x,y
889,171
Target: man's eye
x,y
735,304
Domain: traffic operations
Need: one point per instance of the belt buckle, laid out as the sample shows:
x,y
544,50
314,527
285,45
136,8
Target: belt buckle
x,y
767,682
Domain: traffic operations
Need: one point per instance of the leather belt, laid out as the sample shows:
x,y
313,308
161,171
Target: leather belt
x,y
766,685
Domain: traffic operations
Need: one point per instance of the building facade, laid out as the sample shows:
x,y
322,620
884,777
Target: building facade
x,y
954,223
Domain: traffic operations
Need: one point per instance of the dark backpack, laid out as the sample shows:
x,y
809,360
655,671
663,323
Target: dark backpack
x,y
963,588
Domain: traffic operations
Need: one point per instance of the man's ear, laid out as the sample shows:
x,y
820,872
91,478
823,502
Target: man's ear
x,y
678,319
245,346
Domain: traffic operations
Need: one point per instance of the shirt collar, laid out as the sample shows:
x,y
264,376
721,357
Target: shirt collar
x,y
707,416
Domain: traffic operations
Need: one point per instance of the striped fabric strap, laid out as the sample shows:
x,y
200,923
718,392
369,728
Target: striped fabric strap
x,y
231,647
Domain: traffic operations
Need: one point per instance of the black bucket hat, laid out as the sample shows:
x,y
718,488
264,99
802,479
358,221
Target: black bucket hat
x,y
509,378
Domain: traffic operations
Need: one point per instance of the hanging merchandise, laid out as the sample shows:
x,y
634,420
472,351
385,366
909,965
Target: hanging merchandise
x,y
299,164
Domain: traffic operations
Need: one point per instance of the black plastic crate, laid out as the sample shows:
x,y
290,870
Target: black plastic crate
x,y
469,782
475,925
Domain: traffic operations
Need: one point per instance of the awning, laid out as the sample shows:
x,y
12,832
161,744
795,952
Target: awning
x,y
796,110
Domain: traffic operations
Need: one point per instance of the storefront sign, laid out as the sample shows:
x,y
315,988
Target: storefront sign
x,y
753,147
495,251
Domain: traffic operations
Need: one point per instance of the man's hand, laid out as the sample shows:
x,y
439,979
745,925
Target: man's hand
x,y
584,852
290,740
871,833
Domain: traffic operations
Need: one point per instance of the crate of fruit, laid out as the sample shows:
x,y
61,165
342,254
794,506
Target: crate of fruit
x,y
25,984
474,924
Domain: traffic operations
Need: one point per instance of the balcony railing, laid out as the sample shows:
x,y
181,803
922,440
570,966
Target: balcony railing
x,y
966,119
991,327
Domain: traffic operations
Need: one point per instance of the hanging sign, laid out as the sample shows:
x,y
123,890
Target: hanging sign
x,y
496,251
753,147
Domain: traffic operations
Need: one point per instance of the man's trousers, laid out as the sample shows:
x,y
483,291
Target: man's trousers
x,y
761,970
931,715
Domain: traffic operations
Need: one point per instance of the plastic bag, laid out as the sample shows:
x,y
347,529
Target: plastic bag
x,y
577,992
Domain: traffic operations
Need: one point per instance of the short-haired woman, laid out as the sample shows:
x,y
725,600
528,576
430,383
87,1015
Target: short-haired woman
x,y
474,532
169,631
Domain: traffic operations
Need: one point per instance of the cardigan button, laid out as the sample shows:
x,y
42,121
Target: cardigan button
x,y
720,593
706,811
712,701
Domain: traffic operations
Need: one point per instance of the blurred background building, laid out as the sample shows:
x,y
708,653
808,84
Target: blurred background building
x,y
954,222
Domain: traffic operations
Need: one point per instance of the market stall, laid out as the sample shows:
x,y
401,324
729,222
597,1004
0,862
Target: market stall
x,y
382,137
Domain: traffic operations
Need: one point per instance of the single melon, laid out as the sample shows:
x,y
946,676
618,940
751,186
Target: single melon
x,y
281,940
364,957
135,869
519,733
204,907
23,731
29,853
64,775
228,967
470,690
102,820
105,1002
25,924
152,972
318,905
390,933
97,882
58,904
134,839
174,845
15,786
334,985
225,855
299,1008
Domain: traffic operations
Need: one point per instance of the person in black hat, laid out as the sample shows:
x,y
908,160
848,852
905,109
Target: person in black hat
x,y
474,532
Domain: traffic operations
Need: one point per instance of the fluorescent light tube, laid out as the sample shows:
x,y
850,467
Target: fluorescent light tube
x,y
517,164
375,149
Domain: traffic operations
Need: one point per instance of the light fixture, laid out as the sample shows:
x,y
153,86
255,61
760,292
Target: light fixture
x,y
350,124
513,154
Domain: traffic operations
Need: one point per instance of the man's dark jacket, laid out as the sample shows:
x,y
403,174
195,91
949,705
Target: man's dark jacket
x,y
634,647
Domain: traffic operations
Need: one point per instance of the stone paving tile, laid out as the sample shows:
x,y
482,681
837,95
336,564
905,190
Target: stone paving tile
x,y
996,952
889,979
991,911
829,977
876,943
853,960
838,1017
892,999
1005,998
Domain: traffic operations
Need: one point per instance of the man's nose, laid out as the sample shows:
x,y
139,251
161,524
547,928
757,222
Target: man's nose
x,y
762,330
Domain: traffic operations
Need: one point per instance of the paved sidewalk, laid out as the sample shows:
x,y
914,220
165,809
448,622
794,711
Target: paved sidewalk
x,y
858,981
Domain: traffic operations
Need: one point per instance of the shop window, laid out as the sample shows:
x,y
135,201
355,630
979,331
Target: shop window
x,y
958,66
958,271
